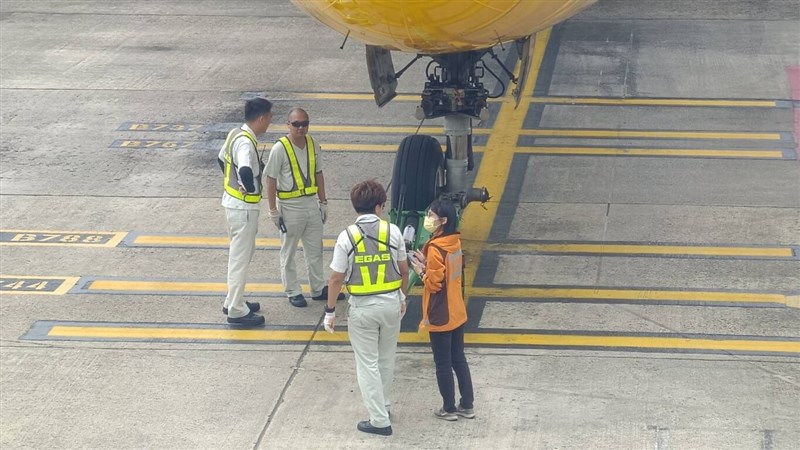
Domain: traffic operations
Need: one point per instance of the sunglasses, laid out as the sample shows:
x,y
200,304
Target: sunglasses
x,y
299,124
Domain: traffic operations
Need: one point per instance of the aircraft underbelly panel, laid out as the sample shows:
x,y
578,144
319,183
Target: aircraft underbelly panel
x,y
439,26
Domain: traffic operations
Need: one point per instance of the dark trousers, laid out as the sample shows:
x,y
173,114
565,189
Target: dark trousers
x,y
448,354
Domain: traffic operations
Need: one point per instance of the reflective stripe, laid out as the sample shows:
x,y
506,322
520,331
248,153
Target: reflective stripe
x,y
383,235
358,241
231,180
368,274
299,188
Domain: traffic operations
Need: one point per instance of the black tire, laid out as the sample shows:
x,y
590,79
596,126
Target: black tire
x,y
414,176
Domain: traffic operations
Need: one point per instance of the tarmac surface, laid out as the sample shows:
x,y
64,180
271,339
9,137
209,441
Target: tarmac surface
x,y
634,281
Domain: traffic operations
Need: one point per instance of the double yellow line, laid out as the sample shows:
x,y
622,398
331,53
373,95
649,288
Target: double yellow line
x,y
607,101
779,346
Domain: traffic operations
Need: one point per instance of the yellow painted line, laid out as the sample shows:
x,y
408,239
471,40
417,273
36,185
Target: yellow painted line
x,y
601,294
179,286
656,102
793,301
379,129
647,134
777,154
205,241
211,241
595,294
360,147
496,164
345,96
373,148
66,284
737,345
642,249
265,146
352,96
516,339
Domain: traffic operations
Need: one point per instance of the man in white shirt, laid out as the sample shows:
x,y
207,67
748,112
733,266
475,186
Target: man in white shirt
x,y
370,258
242,170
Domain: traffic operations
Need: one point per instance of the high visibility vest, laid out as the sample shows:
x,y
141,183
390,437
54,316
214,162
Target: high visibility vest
x,y
374,270
301,186
231,180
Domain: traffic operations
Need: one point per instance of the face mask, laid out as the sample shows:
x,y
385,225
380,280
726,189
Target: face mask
x,y
429,224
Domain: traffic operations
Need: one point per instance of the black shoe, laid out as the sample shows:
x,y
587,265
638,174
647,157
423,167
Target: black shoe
x,y
250,320
367,427
324,295
253,307
298,301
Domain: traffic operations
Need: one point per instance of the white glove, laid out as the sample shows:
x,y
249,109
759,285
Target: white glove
x,y
275,217
323,211
330,321
402,305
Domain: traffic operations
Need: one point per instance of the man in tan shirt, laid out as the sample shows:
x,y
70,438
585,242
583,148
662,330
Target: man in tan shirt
x,y
298,205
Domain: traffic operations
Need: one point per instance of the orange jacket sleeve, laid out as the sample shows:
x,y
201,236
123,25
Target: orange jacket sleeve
x,y
434,269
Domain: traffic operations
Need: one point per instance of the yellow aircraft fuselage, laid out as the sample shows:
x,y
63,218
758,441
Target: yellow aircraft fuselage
x,y
439,26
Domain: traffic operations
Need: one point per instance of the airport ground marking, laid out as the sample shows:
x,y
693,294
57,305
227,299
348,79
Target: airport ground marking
x,y
122,286
636,249
36,285
171,287
649,134
577,340
658,152
137,144
657,101
180,241
566,100
606,294
161,126
107,239
495,165
156,144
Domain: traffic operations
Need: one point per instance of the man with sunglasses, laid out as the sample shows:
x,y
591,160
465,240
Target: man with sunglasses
x,y
298,206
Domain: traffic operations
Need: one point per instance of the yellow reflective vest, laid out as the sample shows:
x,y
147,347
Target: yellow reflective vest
x,y
301,186
373,271
231,180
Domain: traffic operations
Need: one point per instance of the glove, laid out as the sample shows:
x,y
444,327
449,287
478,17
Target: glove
x,y
323,211
330,321
402,304
275,217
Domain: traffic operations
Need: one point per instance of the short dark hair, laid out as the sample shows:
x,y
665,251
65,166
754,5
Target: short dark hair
x,y
366,195
446,209
256,107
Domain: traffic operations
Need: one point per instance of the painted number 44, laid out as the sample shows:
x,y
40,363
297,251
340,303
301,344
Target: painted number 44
x,y
22,284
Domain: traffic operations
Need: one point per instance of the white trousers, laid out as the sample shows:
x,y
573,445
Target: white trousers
x,y
374,329
242,229
303,223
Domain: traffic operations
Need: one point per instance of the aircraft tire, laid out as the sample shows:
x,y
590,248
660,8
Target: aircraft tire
x,y
416,164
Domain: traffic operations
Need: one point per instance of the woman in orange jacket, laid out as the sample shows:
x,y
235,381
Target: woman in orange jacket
x,y
444,313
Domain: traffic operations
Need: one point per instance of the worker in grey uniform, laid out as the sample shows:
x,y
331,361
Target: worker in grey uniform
x,y
242,168
370,259
298,206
